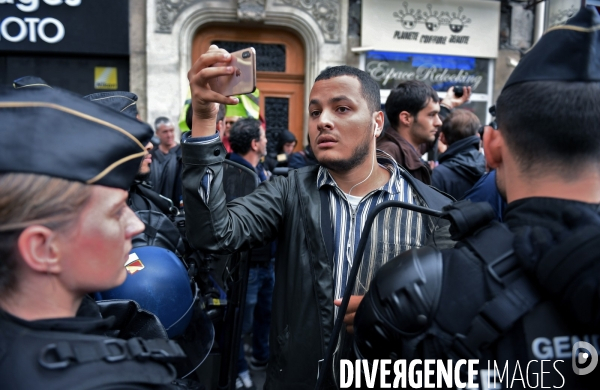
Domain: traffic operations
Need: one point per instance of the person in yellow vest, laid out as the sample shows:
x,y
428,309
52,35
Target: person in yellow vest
x,y
248,108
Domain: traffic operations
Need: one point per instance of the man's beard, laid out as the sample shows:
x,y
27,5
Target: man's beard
x,y
358,157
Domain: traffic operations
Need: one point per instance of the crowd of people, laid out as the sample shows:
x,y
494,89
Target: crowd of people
x,y
492,255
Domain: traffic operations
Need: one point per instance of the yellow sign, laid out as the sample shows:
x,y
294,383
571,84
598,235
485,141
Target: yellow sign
x,y
105,78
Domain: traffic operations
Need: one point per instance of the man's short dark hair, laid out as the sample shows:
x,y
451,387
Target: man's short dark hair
x,y
370,89
551,125
460,124
242,133
410,96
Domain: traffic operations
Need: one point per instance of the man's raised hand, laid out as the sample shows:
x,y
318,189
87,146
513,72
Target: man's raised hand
x,y
205,102
452,101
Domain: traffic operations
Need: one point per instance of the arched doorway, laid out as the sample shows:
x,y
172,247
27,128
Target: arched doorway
x,y
280,72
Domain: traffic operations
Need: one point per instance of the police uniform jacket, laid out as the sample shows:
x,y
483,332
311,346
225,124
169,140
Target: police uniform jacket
x,y
72,353
556,246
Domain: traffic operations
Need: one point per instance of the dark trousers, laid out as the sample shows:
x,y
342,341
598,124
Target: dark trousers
x,y
257,312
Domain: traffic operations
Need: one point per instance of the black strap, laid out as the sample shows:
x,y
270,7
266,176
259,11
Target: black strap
x,y
497,317
164,204
467,217
150,231
62,354
326,225
494,246
434,199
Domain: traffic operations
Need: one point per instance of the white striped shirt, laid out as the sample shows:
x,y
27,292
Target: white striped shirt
x,y
394,231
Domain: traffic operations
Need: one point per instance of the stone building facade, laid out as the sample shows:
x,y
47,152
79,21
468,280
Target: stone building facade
x,y
164,35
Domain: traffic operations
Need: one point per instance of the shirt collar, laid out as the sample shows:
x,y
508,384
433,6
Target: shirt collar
x,y
241,160
393,186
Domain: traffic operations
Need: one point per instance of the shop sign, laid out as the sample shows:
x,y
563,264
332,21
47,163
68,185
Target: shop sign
x,y
559,11
66,26
455,27
105,78
441,72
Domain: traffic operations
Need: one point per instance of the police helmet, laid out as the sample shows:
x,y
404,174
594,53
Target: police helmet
x,y
158,281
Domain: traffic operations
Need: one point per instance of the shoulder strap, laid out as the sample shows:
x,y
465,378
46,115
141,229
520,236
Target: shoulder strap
x,y
131,320
163,203
517,297
467,217
160,231
62,354
433,198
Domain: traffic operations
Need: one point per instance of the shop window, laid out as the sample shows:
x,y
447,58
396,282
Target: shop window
x,y
440,71
276,116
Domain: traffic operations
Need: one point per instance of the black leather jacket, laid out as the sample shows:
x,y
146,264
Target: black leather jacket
x,y
288,208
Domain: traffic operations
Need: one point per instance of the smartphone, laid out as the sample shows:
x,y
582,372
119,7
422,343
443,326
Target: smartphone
x,y
243,80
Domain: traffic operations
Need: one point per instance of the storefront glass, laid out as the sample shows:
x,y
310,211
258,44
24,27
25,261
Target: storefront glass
x,y
440,71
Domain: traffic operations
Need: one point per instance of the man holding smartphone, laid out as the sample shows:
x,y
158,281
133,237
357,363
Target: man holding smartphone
x,y
317,212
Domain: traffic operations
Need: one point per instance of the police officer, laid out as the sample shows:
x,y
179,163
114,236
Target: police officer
x,y
154,209
523,294
65,230
176,305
